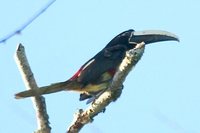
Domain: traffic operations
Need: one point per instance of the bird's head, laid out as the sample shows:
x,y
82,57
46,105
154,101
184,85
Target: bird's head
x,y
131,38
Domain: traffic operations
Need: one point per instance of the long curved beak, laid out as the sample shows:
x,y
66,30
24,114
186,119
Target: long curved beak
x,y
152,36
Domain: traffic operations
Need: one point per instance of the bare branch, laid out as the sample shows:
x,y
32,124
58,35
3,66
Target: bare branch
x,y
30,83
81,118
19,30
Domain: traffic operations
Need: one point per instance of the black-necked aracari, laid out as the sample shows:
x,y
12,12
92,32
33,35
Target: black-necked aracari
x,y
97,73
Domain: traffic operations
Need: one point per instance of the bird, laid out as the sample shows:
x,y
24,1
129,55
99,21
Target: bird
x,y
95,76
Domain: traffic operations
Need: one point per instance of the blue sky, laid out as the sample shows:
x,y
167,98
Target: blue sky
x,y
161,94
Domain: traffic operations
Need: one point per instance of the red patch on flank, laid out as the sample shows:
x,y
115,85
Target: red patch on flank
x,y
76,75
112,72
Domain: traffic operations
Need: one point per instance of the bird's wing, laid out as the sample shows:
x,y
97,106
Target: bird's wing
x,y
91,71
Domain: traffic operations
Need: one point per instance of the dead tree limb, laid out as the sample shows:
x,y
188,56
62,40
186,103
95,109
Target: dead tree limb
x,y
83,117
30,83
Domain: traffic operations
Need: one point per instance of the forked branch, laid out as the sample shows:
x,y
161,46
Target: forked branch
x,y
82,117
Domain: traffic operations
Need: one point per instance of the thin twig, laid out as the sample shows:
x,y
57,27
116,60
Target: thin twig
x,y
82,117
30,83
19,30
